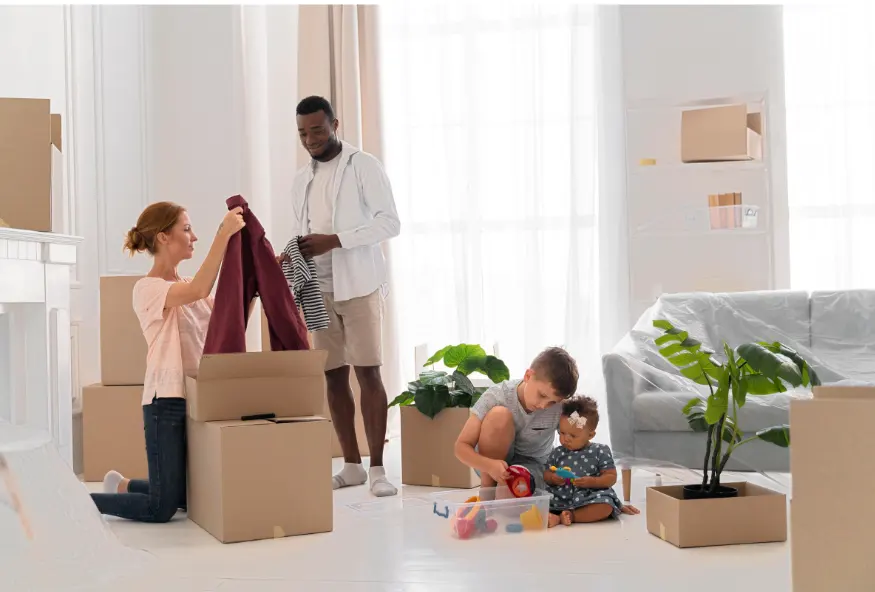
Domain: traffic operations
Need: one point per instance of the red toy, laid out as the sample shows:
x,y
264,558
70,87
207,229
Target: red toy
x,y
521,482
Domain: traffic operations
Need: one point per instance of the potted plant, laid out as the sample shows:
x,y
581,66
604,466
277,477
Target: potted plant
x,y
435,408
751,369
437,390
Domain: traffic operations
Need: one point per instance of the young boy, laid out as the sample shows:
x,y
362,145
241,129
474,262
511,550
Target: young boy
x,y
515,422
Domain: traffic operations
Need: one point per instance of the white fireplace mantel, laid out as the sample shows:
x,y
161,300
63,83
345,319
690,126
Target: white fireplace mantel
x,y
35,357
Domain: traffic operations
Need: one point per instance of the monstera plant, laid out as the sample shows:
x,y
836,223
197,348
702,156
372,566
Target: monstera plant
x,y
750,370
437,389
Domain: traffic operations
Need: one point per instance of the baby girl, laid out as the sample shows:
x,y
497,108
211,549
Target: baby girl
x,y
588,496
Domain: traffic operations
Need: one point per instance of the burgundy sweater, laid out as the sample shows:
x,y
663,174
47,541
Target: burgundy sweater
x,y
249,270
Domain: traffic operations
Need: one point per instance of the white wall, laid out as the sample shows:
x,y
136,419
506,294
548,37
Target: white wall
x,y
673,54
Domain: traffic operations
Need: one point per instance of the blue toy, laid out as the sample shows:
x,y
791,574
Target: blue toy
x,y
514,528
564,473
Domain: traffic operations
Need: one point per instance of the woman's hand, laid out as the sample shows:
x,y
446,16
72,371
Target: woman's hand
x,y
232,223
498,471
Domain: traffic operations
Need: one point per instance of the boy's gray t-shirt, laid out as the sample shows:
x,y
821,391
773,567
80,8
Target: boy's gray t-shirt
x,y
535,432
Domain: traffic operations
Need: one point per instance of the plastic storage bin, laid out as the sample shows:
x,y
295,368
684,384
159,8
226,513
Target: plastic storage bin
x,y
504,514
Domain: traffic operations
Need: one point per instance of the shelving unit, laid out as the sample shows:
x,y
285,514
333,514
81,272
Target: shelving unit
x,y
676,242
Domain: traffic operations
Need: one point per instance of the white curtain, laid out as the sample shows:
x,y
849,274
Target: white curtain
x,y
490,139
830,92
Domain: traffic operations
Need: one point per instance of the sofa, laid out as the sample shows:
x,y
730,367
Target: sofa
x,y
833,331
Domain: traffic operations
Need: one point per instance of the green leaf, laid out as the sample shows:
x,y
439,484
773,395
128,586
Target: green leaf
x,y
496,370
718,403
471,365
402,400
427,377
777,435
769,364
663,324
460,399
759,385
459,353
432,399
691,404
697,422
809,376
438,356
684,359
463,383
670,337
740,391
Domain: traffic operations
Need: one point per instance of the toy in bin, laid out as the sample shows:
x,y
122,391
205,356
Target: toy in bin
x,y
469,522
564,473
521,482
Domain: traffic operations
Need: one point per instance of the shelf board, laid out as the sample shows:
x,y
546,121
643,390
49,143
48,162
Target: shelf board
x,y
732,166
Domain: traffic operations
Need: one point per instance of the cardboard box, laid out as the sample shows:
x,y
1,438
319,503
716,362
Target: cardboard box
x,y
122,345
832,532
427,449
31,168
260,479
716,134
361,436
231,386
112,432
757,515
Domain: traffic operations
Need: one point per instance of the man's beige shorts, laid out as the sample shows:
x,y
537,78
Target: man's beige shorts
x,y
354,335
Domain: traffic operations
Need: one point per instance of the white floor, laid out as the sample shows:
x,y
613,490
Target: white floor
x,y
399,545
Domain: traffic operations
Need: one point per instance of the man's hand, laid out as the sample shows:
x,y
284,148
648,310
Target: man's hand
x,y
314,245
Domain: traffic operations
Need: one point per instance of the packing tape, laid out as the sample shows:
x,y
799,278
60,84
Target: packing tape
x,y
662,531
435,481
278,532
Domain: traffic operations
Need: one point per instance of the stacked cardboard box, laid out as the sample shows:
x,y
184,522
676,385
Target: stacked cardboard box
x,y
112,412
832,527
259,459
31,166
361,436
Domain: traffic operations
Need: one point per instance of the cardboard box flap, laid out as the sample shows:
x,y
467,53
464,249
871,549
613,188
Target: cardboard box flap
x,y
844,392
755,122
56,130
288,364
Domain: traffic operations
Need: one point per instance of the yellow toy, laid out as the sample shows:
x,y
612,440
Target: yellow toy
x,y
532,519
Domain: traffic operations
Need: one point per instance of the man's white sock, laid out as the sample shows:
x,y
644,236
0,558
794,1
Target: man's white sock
x,y
351,474
380,486
111,481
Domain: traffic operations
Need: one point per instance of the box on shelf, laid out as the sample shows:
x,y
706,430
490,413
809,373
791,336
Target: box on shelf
x,y
122,345
757,515
31,166
718,134
831,542
261,478
112,432
427,449
361,436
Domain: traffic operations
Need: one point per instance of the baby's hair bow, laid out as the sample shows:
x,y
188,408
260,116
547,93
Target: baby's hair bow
x,y
576,420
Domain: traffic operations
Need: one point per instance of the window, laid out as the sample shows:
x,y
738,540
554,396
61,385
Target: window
x,y
830,91
490,142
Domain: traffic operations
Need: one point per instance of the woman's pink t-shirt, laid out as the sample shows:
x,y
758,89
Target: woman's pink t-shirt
x,y
175,337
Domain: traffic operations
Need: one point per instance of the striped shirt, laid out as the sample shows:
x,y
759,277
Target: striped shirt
x,y
301,275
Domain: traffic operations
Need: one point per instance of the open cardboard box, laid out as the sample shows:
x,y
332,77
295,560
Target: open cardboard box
x,y
112,432
757,515
716,134
259,478
427,449
832,530
31,166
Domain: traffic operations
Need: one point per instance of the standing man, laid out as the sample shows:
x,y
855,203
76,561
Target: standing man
x,y
344,209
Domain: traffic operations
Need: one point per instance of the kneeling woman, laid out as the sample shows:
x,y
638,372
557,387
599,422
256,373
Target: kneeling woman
x,y
174,314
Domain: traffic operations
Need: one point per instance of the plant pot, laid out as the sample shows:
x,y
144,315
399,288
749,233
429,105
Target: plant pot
x,y
692,492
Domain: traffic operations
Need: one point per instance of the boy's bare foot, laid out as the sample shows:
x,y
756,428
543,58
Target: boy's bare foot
x,y
566,518
552,520
632,510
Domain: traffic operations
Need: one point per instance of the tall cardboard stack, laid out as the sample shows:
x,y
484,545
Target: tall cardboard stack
x,y
832,523
259,453
31,166
112,411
